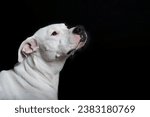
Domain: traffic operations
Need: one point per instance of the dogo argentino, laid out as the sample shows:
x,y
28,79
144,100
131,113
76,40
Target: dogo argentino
x,y
40,59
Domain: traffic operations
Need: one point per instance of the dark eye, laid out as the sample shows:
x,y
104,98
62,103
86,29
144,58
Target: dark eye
x,y
54,33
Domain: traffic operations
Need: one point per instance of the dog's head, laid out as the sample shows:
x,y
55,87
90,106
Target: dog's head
x,y
53,42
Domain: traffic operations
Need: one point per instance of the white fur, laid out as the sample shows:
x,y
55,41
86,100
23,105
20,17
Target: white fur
x,y
40,59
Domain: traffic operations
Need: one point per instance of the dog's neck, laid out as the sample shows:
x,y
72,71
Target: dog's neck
x,y
51,67
47,72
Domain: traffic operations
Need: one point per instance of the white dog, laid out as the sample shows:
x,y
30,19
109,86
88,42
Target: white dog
x,y
40,60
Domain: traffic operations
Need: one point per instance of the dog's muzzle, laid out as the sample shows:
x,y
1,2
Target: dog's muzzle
x,y
79,30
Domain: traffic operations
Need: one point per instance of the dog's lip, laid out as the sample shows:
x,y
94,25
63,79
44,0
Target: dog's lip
x,y
70,51
83,37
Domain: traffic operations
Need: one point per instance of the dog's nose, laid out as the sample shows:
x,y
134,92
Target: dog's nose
x,y
79,30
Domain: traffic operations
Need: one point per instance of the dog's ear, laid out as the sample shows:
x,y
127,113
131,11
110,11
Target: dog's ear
x,y
27,47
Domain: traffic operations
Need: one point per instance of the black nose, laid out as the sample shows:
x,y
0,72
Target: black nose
x,y
78,30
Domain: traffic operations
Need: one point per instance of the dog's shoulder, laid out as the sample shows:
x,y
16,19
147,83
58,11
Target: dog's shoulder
x,y
4,73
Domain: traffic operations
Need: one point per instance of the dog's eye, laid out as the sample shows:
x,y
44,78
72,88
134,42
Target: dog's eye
x,y
54,33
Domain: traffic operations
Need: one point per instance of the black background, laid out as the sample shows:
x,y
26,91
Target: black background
x,y
115,63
